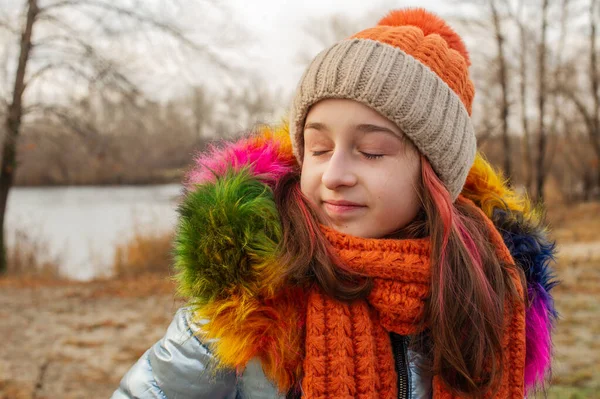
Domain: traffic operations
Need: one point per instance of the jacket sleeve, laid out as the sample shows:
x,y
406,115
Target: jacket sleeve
x,y
178,366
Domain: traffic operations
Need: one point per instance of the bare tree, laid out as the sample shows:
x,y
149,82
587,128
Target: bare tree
x,y
587,100
594,72
504,85
523,92
542,92
544,119
55,49
13,121
490,21
325,31
594,78
202,109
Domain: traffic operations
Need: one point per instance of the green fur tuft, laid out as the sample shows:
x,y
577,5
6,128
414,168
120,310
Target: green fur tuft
x,y
227,239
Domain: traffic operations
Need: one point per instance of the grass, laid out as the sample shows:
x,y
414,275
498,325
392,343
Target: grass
x,y
10,389
575,223
141,266
576,361
146,252
29,256
566,392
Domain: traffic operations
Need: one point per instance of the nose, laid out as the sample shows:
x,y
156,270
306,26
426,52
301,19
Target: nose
x,y
338,171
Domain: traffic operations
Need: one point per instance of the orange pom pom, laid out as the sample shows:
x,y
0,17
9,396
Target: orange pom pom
x,y
429,23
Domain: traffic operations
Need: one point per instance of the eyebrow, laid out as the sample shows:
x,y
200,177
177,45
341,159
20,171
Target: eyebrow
x,y
369,128
316,126
363,128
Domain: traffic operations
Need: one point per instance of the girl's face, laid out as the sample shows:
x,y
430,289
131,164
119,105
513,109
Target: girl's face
x,y
359,169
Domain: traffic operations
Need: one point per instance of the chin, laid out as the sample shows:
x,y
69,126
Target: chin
x,y
355,231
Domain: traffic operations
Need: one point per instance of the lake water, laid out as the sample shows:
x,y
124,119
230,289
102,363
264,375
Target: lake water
x,y
83,225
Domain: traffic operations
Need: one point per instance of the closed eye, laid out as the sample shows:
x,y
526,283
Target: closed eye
x,y
371,156
365,154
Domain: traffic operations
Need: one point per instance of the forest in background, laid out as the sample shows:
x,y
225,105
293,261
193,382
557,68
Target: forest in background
x,y
537,106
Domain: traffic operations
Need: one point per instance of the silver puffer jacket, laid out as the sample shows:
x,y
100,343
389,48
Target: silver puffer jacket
x,y
179,367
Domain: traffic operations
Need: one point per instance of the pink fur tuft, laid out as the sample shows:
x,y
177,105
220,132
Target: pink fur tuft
x,y
267,155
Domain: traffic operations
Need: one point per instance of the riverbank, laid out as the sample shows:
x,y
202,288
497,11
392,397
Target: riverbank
x,y
78,229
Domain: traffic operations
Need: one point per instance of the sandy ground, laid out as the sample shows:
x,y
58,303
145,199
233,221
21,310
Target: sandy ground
x,y
576,367
76,340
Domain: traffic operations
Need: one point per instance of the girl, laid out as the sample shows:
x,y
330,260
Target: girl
x,y
369,252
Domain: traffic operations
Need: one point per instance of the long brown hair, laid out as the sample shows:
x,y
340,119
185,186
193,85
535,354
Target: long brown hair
x,y
306,252
470,286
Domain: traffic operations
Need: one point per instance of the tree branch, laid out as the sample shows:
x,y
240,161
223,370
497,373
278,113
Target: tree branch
x,y
143,19
487,133
57,66
594,72
104,67
579,104
4,25
64,114
588,118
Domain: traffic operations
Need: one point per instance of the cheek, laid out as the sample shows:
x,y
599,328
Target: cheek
x,y
414,191
417,174
307,180
399,176
402,185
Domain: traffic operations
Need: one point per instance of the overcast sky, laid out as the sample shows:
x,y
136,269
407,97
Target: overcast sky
x,y
274,36
278,27
271,36
272,39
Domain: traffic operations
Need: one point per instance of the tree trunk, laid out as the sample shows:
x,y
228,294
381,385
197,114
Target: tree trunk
x,y
503,79
527,161
541,173
13,126
528,167
595,78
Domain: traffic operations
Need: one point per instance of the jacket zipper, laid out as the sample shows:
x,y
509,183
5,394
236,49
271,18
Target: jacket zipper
x,y
400,350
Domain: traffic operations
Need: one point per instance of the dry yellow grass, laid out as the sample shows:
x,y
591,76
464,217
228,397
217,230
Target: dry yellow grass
x,y
576,362
10,389
144,285
576,365
146,252
30,256
575,223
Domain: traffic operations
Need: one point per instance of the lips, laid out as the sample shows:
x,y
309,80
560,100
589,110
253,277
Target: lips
x,y
342,207
342,203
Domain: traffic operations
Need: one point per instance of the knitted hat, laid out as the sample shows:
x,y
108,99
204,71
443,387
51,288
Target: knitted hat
x,y
412,68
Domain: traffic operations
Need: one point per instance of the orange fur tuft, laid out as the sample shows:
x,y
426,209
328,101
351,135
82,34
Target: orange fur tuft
x,y
246,326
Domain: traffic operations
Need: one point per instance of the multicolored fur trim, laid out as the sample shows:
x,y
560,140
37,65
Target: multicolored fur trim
x,y
226,256
522,229
267,155
227,243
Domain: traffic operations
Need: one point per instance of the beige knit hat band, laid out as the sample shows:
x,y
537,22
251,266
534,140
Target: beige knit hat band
x,y
400,88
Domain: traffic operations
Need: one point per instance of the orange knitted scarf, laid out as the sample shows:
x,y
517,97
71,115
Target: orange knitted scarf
x,y
348,348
